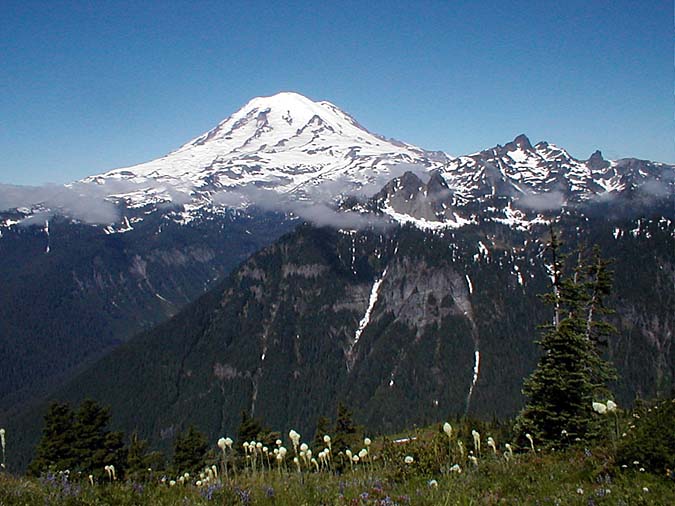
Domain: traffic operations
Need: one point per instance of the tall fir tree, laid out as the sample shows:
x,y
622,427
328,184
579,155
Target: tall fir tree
x,y
322,428
140,459
55,451
190,451
78,441
96,446
346,433
571,372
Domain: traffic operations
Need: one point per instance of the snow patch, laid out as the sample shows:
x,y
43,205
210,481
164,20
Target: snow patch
x,y
476,370
374,292
468,282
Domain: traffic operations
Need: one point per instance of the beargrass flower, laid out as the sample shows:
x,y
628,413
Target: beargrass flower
x,y
599,407
491,443
476,441
447,428
456,469
408,459
508,454
363,453
294,437
432,484
529,438
611,406
2,443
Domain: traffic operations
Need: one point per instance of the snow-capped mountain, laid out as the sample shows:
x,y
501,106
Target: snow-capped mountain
x,y
286,142
520,169
521,185
313,152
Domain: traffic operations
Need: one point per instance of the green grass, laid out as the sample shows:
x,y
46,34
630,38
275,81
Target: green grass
x,y
575,477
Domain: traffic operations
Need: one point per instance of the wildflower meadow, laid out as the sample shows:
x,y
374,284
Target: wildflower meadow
x,y
460,463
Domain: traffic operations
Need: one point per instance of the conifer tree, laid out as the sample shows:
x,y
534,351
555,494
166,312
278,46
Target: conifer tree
x,y
95,446
571,373
78,440
140,458
55,451
322,428
346,431
190,451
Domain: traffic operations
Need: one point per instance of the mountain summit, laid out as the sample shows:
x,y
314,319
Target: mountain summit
x,y
284,142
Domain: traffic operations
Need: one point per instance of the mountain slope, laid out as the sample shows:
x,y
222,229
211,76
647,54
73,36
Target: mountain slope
x,y
407,327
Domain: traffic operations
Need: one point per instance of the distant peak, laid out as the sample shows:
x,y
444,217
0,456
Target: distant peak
x,y
522,142
596,161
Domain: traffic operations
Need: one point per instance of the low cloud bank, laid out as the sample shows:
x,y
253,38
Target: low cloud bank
x,y
549,201
93,202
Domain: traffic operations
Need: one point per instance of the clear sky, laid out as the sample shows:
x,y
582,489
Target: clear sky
x,y
90,86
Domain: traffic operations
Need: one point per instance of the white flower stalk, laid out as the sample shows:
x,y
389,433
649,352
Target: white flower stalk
x,y
315,463
508,454
367,442
461,448
447,428
408,459
491,443
278,442
304,447
296,461
600,408
295,439
221,444
473,460
611,406
110,471
363,453
456,469
172,483
91,479
476,441
2,443
327,440
531,440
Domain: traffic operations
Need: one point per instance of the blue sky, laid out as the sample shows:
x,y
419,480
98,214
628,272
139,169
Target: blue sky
x,y
91,86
